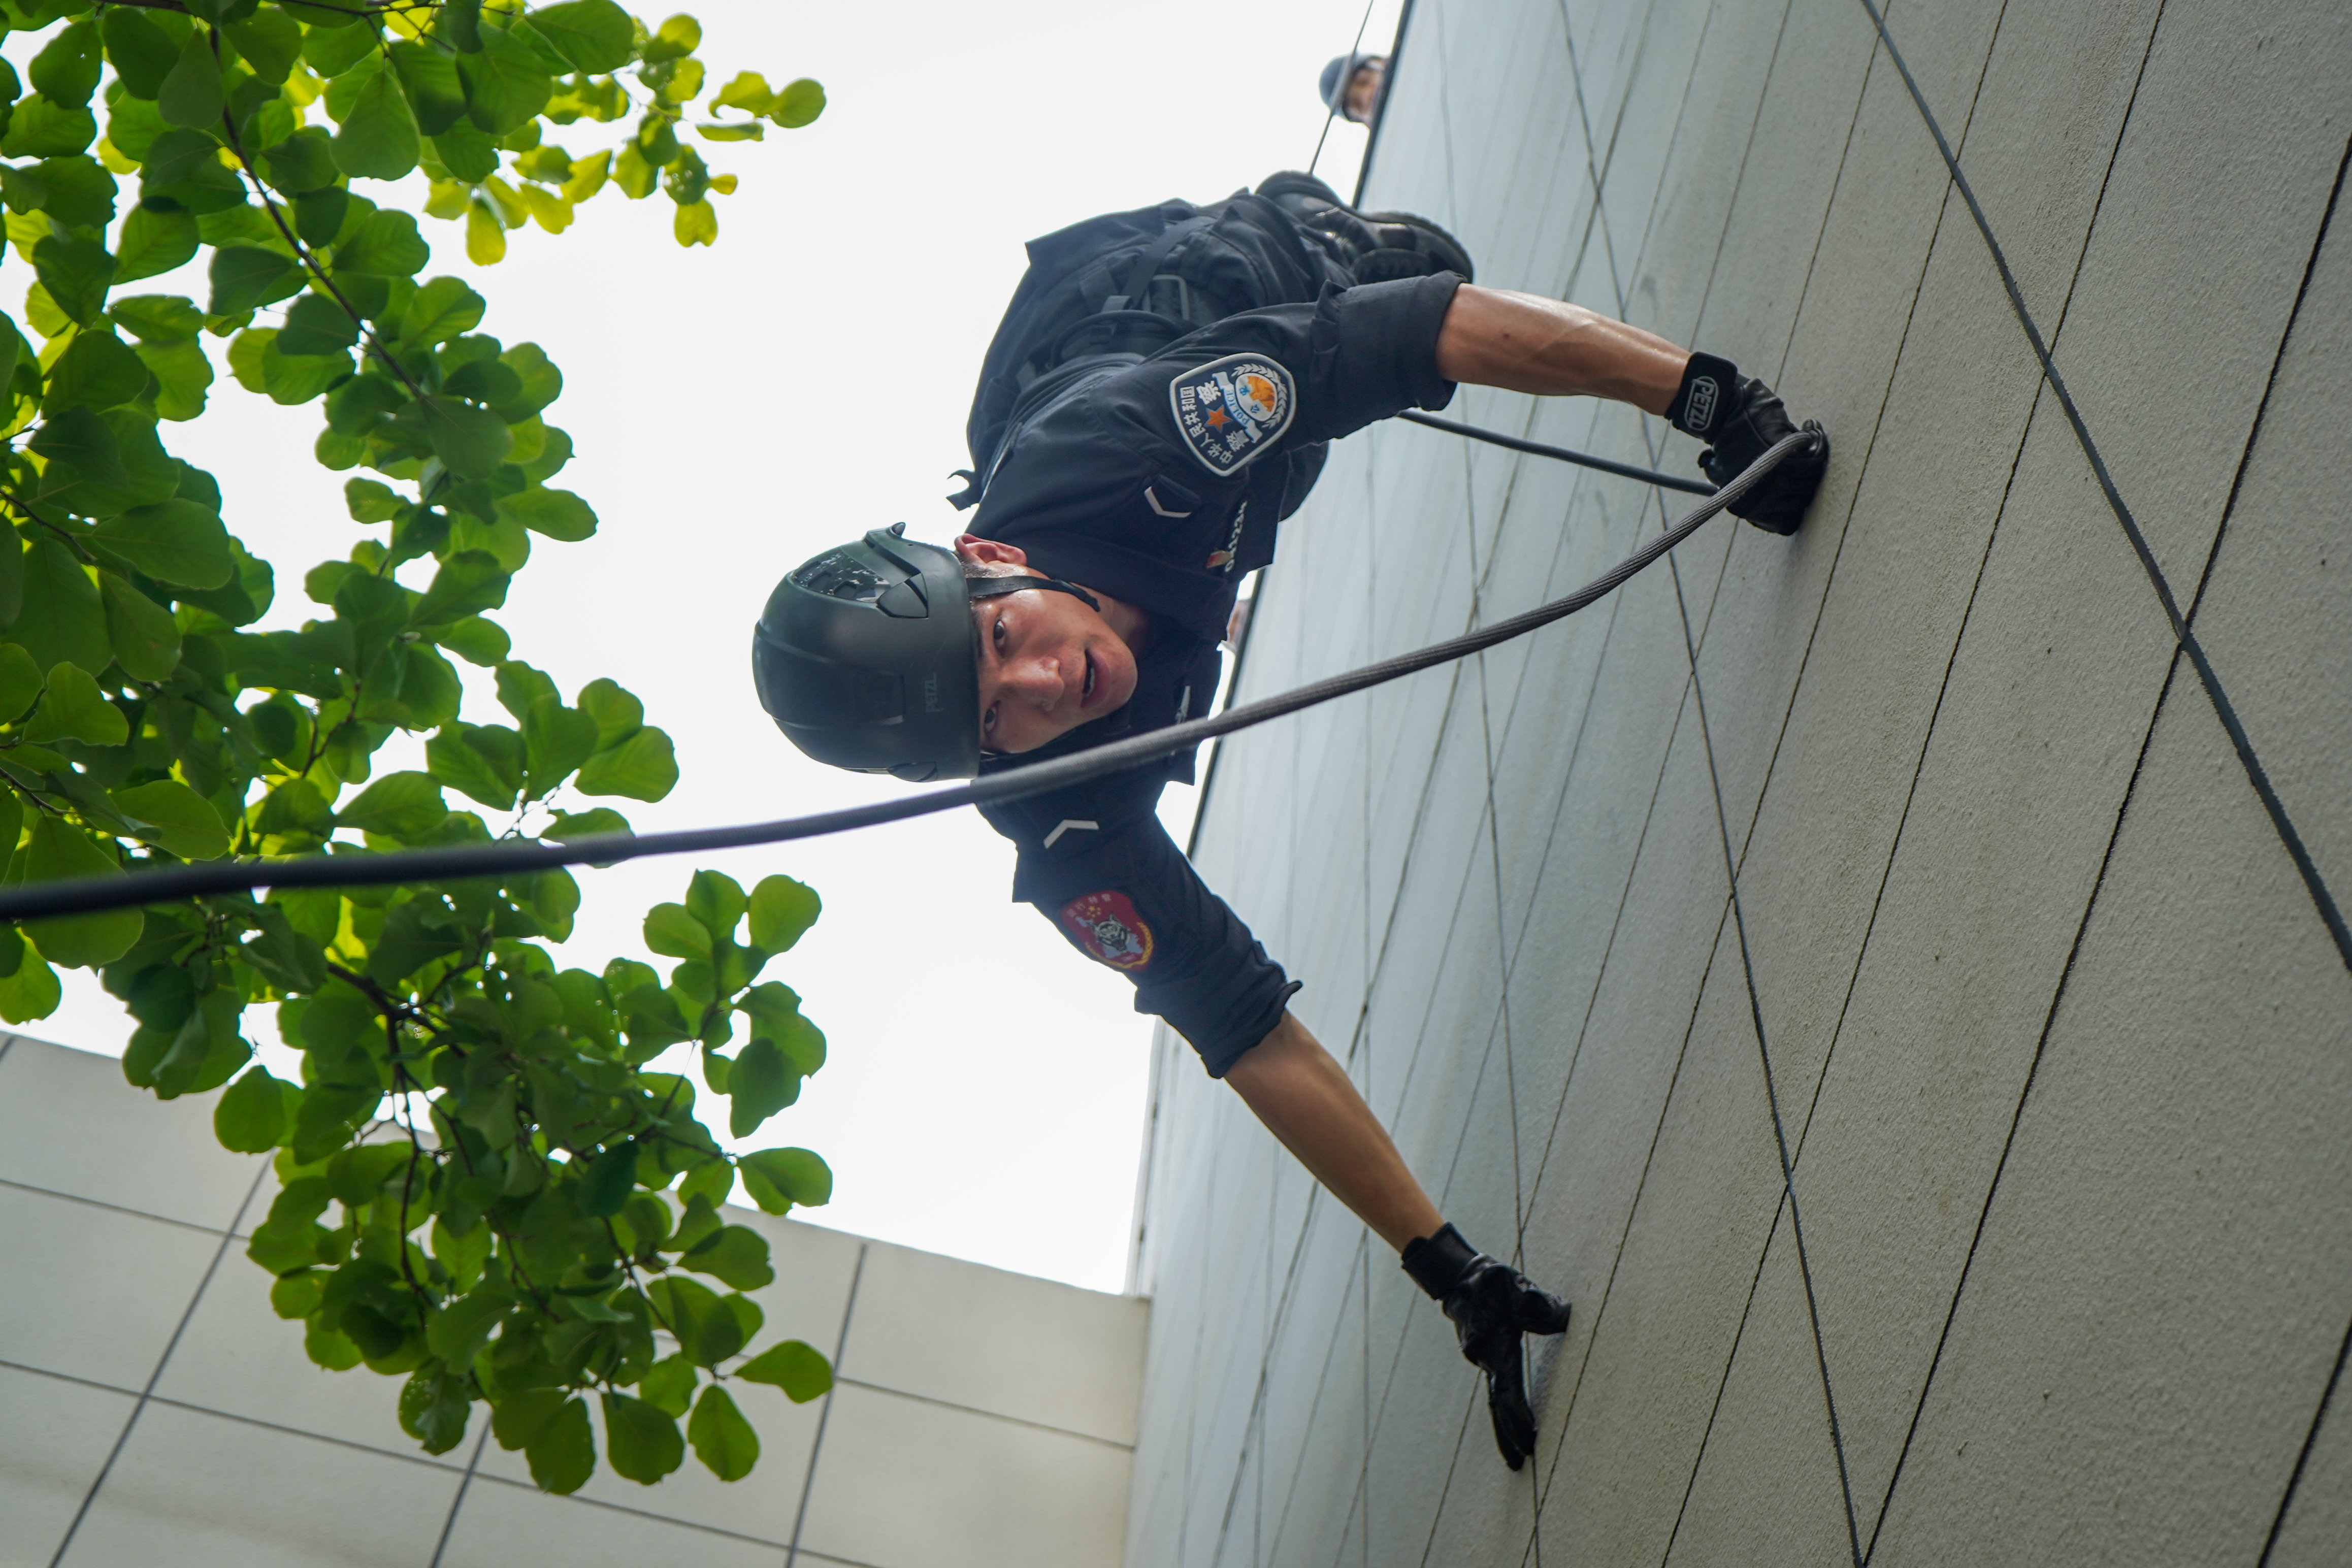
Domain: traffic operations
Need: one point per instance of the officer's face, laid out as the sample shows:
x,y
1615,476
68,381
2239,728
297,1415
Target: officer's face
x,y
1047,665
1363,88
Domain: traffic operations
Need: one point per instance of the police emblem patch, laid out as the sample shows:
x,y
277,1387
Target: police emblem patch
x,y
1108,927
1231,409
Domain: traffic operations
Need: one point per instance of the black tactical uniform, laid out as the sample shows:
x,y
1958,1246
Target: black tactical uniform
x,y
1158,398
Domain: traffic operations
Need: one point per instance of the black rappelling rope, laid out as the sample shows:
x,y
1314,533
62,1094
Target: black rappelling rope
x,y
1582,459
88,895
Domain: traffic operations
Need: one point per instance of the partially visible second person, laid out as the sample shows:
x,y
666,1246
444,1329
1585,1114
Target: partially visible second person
x,y
1351,85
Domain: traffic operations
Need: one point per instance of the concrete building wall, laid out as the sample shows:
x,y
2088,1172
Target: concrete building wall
x,y
1859,970
154,1411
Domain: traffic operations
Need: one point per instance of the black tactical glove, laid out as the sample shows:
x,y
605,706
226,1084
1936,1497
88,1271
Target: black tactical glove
x,y
1492,1304
1741,418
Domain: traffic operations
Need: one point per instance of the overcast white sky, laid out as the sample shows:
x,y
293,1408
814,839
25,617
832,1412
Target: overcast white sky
x,y
737,408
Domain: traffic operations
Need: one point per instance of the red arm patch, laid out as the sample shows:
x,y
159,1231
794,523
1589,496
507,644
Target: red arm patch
x,y
1108,927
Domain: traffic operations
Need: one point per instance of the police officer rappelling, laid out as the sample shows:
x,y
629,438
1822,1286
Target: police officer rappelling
x,y
1156,400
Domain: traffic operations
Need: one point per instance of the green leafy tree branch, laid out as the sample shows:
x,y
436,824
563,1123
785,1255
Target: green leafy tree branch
x,y
484,1186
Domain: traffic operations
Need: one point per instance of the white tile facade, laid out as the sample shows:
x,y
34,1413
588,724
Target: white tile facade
x,y
154,1410
1913,840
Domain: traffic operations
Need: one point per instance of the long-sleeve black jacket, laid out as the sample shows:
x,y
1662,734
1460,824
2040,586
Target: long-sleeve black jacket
x,y
1160,481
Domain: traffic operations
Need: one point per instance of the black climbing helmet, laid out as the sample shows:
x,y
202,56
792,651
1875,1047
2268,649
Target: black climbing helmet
x,y
1332,88
867,658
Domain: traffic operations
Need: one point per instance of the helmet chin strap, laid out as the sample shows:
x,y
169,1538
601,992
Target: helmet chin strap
x,y
997,587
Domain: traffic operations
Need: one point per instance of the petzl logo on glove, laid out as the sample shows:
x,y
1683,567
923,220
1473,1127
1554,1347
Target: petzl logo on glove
x,y
1108,927
1698,413
1231,410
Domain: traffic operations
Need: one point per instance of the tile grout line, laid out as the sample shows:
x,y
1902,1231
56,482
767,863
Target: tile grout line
x,y
2322,898
816,1447
62,1196
448,1524
147,1394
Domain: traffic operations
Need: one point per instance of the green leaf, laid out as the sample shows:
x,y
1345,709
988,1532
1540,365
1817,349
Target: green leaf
x,y
716,899
468,583
475,640
443,308
460,1328
782,911
245,276
369,500
705,1326
458,762
779,1178
400,805
562,1451
33,992
39,127
82,191
671,931
176,540
59,850
618,714
749,90
760,1084
434,1409
555,741
20,682
175,818
571,825
152,243
642,767
182,375
157,317
609,1178
386,245
316,325
470,442
669,1386
678,37
143,54
697,223
254,1115
62,620
378,139
640,1442
303,163
735,1254
594,35
145,639
76,273
191,94
73,709
722,1439
505,85
430,79
269,41
98,369
797,1368
557,514
799,104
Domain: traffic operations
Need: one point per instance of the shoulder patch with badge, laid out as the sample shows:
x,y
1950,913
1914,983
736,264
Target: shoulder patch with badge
x,y
1108,927
1231,409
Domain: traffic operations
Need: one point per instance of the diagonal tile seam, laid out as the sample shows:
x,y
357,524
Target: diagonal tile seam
x,y
1788,1201
1323,1381
2322,898
1567,1416
2172,670
1420,820
147,1394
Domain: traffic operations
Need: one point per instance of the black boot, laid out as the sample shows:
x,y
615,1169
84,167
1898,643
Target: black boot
x,y
1372,246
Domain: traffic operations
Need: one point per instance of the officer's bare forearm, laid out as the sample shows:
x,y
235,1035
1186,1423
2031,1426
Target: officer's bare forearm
x,y
1522,343
1306,1099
